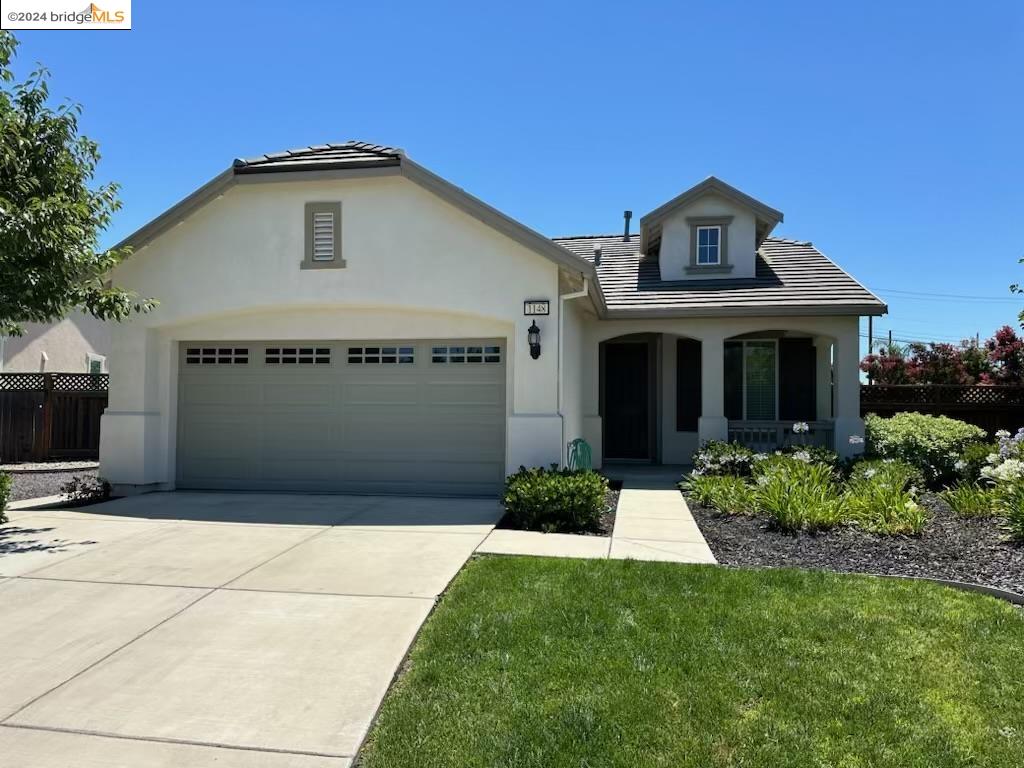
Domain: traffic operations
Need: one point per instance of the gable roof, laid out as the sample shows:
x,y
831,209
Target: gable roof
x,y
792,278
650,224
353,159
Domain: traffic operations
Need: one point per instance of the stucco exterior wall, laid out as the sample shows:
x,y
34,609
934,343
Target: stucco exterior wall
x,y
674,256
574,321
67,345
416,267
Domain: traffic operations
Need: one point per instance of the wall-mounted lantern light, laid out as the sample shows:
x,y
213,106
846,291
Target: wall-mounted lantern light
x,y
533,336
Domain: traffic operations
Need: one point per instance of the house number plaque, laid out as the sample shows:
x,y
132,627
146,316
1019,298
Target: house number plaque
x,y
536,307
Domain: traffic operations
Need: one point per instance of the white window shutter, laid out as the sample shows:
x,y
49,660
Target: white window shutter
x,y
324,233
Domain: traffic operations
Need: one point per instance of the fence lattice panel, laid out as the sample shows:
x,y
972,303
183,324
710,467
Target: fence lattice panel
x,y
990,407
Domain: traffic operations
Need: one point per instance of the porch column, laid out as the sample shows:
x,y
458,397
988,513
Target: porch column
x,y
823,355
848,422
712,424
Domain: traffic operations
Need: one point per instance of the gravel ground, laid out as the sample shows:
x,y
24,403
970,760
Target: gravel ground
x,y
950,547
30,485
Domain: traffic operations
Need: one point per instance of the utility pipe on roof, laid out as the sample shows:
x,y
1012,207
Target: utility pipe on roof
x,y
584,291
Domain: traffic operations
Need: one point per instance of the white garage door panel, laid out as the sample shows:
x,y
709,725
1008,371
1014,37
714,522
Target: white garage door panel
x,y
420,427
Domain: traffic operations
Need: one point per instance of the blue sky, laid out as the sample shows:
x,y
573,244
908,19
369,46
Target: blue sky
x,y
890,134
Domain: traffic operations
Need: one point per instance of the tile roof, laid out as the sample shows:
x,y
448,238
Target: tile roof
x,y
350,154
791,276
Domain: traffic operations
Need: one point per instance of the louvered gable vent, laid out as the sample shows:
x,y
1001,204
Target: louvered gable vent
x,y
323,235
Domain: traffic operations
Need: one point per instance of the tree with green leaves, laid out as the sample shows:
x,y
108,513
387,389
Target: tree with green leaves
x,y
51,216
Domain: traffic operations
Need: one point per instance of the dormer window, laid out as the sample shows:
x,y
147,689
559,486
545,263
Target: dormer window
x,y
709,245
323,236
709,241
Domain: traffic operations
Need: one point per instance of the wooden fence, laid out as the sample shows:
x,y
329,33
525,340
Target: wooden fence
x,y
990,407
51,415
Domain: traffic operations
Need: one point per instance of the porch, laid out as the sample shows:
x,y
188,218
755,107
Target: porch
x,y
663,392
766,436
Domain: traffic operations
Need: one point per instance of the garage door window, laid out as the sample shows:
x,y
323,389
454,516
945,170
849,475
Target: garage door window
x,y
465,355
381,355
298,356
216,356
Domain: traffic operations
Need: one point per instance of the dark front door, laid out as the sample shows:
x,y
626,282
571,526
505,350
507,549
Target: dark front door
x,y
626,407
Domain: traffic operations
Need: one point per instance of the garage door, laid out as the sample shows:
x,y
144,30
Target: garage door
x,y
347,416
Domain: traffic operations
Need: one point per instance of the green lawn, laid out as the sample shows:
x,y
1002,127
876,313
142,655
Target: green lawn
x,y
544,662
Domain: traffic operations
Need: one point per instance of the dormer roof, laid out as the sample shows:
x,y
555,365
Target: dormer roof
x,y
650,225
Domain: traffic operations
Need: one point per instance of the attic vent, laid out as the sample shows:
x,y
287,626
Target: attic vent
x,y
323,236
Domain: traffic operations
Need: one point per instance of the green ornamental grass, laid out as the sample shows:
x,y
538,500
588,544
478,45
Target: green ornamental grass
x,y
797,495
881,497
971,500
726,493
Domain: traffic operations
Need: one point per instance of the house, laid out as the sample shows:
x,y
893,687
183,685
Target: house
x,y
77,344
339,318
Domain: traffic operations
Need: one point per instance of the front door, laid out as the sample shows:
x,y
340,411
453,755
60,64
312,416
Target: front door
x,y
626,407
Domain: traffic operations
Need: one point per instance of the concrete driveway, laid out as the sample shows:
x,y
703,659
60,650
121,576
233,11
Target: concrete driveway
x,y
190,629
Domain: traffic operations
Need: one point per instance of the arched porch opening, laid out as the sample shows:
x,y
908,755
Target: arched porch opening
x,y
778,389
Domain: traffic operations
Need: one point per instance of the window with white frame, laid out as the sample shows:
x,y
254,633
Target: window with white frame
x,y
95,363
709,246
760,394
751,379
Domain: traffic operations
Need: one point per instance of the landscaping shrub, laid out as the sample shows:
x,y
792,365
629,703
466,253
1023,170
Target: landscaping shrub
x,y
881,496
85,489
726,493
716,457
971,500
555,500
933,444
5,492
973,460
797,495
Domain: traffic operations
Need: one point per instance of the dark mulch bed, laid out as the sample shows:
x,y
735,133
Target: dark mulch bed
x,y
611,503
606,523
30,485
950,547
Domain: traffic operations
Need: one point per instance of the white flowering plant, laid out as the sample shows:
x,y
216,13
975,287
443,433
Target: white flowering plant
x,y
716,458
1003,473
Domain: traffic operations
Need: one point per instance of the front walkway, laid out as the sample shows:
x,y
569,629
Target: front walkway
x,y
246,630
651,523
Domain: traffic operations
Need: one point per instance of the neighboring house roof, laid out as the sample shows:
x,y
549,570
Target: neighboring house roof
x,y
792,277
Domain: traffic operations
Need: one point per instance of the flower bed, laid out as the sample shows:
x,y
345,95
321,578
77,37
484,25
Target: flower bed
x,y
975,550
873,515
